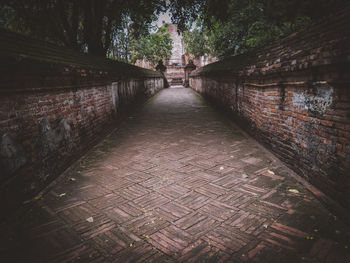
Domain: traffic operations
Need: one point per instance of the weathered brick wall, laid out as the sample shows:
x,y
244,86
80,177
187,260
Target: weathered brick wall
x,y
294,96
53,110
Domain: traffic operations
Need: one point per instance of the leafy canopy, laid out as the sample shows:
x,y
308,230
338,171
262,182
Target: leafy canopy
x,y
224,28
88,25
121,28
153,48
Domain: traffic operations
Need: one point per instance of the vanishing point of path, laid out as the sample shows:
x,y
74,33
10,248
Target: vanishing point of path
x,y
176,183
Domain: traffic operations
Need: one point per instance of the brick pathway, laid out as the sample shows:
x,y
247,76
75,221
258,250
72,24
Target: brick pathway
x,y
176,183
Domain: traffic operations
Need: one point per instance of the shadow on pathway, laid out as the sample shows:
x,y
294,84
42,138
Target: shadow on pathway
x,y
176,183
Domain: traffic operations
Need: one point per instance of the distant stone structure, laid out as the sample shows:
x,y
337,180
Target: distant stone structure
x,y
188,69
176,64
178,52
175,72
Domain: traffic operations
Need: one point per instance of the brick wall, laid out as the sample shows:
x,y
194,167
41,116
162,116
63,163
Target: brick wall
x,y
294,97
54,105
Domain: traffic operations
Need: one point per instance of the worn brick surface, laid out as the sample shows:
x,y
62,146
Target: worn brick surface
x,y
55,104
293,96
177,183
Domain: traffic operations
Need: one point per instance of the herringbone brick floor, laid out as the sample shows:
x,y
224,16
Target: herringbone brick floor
x,y
176,183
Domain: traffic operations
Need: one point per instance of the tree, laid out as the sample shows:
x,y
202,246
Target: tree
x,y
153,48
81,24
122,37
197,44
229,27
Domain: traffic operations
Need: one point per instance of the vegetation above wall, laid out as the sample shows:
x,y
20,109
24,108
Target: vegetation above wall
x,y
121,29
95,26
153,48
325,42
222,28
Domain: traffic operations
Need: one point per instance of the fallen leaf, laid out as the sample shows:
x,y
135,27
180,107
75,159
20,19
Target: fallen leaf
x,y
90,219
147,236
244,176
294,191
61,195
131,245
270,172
152,221
221,168
265,225
72,179
37,197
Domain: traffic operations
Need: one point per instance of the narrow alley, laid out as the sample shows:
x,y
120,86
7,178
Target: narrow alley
x,y
179,182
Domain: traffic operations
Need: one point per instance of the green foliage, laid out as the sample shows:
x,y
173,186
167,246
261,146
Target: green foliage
x,y
262,32
152,48
110,27
196,43
229,27
301,22
88,25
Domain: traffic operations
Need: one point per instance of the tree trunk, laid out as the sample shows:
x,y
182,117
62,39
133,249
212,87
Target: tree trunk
x,y
94,13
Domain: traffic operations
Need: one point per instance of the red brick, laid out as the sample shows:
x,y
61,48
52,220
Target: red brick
x,y
327,123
